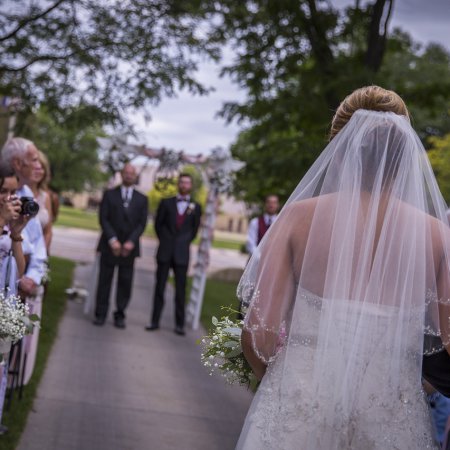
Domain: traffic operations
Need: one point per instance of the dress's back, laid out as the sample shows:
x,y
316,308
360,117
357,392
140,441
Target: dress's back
x,y
351,273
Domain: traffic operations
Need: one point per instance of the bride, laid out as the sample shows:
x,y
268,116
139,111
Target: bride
x,y
344,287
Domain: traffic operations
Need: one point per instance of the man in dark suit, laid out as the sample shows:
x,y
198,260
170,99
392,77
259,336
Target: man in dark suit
x,y
123,217
176,225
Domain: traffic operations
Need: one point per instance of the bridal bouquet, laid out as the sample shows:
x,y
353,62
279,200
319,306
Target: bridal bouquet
x,y
15,321
222,352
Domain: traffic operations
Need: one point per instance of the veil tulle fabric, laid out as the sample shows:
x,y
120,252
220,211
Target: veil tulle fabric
x,y
345,293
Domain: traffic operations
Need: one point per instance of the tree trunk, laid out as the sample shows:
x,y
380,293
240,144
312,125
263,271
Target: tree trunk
x,y
376,39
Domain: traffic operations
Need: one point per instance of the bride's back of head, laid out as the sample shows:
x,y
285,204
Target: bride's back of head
x,y
372,98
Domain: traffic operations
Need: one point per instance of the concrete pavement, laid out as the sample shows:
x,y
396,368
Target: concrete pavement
x,y
106,388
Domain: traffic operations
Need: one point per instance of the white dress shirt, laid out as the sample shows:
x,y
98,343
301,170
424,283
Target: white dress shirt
x,y
127,194
182,203
33,243
252,232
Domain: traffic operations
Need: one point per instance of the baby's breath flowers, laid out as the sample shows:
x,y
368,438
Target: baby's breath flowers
x,y
46,274
222,352
15,318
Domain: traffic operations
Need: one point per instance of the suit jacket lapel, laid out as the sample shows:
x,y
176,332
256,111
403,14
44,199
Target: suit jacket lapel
x,y
118,196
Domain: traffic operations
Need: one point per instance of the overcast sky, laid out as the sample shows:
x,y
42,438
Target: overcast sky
x,y
189,123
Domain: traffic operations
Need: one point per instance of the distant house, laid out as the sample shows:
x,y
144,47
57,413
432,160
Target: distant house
x,y
233,215
91,199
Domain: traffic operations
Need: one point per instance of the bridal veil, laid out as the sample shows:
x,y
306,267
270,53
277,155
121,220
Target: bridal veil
x,y
350,286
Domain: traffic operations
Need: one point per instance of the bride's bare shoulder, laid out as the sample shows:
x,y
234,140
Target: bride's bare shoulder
x,y
305,208
439,230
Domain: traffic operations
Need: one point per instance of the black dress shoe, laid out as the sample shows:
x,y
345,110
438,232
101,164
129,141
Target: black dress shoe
x,y
99,321
119,322
180,331
152,327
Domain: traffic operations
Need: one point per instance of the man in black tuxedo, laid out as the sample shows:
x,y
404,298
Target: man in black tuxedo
x,y
123,217
176,224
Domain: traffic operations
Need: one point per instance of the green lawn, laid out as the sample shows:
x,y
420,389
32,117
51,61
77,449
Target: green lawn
x,y
53,309
88,220
217,294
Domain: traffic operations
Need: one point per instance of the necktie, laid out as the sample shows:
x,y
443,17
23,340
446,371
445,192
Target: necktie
x,y
127,197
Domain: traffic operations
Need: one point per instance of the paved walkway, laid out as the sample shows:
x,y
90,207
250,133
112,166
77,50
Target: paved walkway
x,y
105,388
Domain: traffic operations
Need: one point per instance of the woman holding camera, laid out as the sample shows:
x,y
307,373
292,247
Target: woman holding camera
x,y
12,222
21,155
12,259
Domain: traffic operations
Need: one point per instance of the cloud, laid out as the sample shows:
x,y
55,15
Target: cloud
x,y
190,123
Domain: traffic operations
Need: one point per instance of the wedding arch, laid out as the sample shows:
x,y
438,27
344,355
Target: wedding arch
x,y
217,170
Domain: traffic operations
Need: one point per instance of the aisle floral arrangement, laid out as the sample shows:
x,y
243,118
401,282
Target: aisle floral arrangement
x,y
222,351
15,321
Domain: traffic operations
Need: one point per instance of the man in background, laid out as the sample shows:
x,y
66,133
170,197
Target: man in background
x,y
123,217
176,224
259,225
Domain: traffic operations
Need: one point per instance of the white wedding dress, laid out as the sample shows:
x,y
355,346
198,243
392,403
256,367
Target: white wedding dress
x,y
342,290
287,413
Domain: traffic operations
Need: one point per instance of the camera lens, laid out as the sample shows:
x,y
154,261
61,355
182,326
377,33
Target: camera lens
x,y
29,206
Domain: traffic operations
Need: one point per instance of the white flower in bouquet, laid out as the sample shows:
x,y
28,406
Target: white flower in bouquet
x,y
222,352
15,319
46,278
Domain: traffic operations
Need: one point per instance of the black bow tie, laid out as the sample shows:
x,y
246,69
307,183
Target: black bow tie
x,y
181,199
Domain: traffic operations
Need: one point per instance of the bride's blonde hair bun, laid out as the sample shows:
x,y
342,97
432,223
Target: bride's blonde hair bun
x,y
373,98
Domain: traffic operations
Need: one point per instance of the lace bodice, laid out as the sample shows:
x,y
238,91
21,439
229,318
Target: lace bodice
x,y
292,410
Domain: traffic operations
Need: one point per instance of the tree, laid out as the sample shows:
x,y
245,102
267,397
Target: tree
x,y
111,55
70,145
297,61
439,155
166,190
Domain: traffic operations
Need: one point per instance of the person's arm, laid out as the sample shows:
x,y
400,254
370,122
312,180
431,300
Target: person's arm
x,y
273,294
197,220
252,236
54,199
141,224
17,251
32,233
133,238
104,217
258,366
160,217
443,293
16,227
48,229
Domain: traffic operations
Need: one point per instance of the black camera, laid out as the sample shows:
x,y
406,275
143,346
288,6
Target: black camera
x,y
29,206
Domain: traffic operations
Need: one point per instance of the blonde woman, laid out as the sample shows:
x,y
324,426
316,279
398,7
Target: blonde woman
x,y
349,279
39,185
